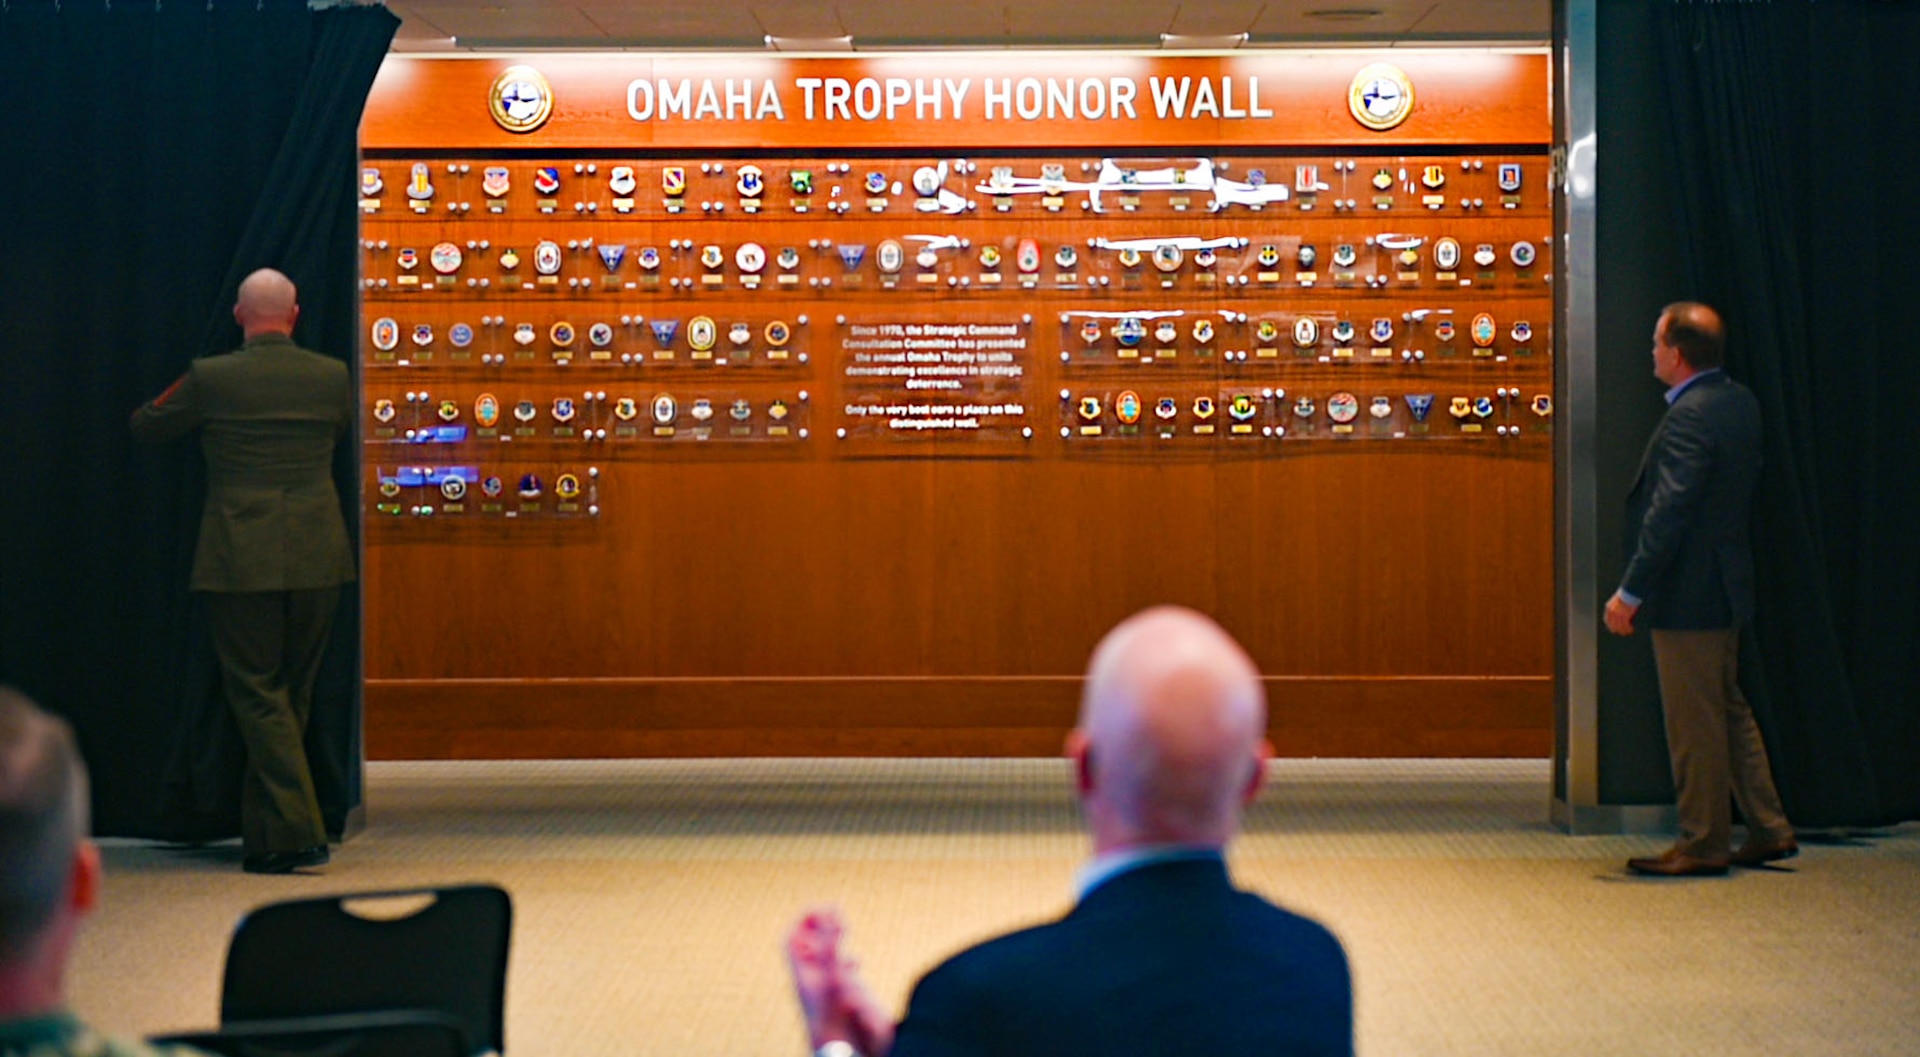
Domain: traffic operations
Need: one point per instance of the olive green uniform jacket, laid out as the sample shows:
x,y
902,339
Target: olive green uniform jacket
x,y
271,412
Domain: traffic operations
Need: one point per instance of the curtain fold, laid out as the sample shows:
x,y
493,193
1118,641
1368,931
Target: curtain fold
x,y
1792,228
165,152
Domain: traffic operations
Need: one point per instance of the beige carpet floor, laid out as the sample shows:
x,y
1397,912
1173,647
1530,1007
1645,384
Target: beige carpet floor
x,y
651,897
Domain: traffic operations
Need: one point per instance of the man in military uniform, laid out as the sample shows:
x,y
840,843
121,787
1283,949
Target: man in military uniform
x,y
49,880
273,549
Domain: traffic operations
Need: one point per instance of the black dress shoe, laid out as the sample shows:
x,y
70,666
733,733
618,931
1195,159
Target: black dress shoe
x,y
286,861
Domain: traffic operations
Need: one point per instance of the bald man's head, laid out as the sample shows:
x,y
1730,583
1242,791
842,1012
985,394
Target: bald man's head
x,y
268,303
1696,331
1171,736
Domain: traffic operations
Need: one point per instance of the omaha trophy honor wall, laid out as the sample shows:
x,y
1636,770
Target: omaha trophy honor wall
x,y
827,406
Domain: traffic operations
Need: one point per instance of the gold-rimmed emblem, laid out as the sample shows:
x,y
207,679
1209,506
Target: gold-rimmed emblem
x,y
520,99
702,333
1381,96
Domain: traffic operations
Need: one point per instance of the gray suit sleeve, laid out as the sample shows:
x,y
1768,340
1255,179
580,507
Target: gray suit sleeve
x,y
1680,470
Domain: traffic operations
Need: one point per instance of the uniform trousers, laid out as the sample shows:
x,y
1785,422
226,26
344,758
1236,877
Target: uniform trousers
x,y
270,644
1714,743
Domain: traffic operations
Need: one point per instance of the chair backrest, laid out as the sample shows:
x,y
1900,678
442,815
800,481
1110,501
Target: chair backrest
x,y
317,957
390,1033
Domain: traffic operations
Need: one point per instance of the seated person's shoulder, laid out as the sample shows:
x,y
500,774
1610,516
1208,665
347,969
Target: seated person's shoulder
x,y
1298,927
90,1043
989,962
135,1048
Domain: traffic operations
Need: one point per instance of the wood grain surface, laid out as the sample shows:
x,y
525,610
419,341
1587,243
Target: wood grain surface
x,y
729,588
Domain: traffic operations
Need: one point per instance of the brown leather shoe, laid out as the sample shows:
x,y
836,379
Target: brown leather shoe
x,y
1756,852
1675,863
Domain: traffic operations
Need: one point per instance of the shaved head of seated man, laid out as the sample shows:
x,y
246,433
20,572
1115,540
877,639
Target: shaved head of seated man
x,y
49,881
1161,954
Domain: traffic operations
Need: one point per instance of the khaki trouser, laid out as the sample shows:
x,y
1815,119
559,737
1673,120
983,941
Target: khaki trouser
x,y
1714,743
270,644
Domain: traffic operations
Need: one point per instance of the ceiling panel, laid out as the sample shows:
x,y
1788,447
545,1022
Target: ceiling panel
x,y
794,18
1340,20
934,23
1489,19
1215,18
415,27
886,20
1135,24
724,25
542,21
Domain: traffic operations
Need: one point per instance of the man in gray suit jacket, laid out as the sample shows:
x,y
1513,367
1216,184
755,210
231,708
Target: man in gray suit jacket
x,y
273,549
1689,580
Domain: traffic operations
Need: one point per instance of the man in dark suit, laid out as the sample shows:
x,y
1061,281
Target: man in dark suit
x,y
1162,955
273,549
1689,579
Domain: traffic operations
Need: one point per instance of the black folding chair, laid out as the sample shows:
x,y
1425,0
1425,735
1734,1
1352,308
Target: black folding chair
x,y
365,952
388,1033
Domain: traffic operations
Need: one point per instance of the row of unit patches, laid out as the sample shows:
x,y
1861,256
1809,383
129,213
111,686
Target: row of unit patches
x,y
1128,330
425,490
421,418
1278,413
431,420
1108,185
1371,262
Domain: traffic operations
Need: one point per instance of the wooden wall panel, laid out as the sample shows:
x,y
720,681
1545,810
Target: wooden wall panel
x,y
1322,563
939,593
1015,716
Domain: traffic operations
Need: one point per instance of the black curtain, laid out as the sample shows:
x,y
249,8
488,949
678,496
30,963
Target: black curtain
x,y
156,154
1794,155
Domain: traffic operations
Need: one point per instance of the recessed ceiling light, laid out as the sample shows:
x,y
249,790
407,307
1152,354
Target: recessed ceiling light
x,y
1186,42
842,43
1345,14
